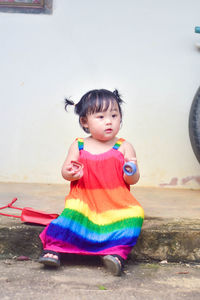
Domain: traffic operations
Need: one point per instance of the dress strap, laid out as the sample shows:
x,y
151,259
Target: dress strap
x,y
118,143
80,143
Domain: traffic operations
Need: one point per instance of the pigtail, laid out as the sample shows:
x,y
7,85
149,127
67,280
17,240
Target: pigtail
x,y
69,102
117,96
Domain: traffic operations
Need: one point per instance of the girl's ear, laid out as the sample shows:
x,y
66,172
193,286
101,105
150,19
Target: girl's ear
x,y
84,123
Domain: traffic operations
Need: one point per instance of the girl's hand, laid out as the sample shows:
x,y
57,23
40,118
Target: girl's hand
x,y
129,168
73,171
130,155
134,177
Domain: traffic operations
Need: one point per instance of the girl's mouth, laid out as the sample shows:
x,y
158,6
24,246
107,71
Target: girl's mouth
x,y
109,130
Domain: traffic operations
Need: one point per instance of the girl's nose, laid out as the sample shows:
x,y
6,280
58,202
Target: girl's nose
x,y
108,121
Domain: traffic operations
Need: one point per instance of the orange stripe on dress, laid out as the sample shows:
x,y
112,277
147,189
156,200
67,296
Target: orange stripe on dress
x,y
101,200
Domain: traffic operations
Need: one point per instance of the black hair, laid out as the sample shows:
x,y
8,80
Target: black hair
x,y
95,101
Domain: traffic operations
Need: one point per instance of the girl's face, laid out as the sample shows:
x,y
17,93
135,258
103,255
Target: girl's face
x,y
104,125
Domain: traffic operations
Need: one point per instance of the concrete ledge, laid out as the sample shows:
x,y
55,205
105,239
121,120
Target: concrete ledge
x,y
169,239
18,239
176,240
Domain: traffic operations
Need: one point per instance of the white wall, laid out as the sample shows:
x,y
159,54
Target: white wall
x,y
144,48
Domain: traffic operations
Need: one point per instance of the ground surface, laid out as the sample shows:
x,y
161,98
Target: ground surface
x,y
85,278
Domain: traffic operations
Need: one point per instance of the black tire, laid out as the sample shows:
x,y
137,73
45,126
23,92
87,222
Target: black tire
x,y
194,125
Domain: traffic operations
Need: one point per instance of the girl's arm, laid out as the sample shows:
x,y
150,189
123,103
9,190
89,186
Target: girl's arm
x,y
69,171
130,155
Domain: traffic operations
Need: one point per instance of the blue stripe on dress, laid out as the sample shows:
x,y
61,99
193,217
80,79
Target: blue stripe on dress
x,y
95,242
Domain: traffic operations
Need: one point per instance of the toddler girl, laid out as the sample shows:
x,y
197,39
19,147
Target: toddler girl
x,y
101,216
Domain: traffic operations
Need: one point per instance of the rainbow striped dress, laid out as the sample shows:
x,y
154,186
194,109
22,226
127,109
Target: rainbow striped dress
x,y
101,216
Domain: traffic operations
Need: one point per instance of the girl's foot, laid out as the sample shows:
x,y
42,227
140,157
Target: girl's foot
x,y
113,264
50,258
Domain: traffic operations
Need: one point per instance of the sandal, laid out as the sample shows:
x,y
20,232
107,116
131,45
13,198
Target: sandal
x,y
114,264
50,261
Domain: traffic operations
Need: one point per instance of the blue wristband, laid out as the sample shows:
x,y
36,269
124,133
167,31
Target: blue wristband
x,y
131,165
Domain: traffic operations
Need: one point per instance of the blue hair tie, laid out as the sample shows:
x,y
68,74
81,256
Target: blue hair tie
x,y
131,165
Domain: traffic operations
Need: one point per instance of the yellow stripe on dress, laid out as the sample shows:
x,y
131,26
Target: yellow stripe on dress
x,y
106,217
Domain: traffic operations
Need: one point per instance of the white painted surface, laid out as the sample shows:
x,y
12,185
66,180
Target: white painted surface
x,y
144,48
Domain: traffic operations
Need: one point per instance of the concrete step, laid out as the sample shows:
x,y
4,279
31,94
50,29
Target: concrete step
x,y
175,240
161,239
171,229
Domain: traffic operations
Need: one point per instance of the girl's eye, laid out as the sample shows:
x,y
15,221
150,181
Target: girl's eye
x,y
100,117
114,116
